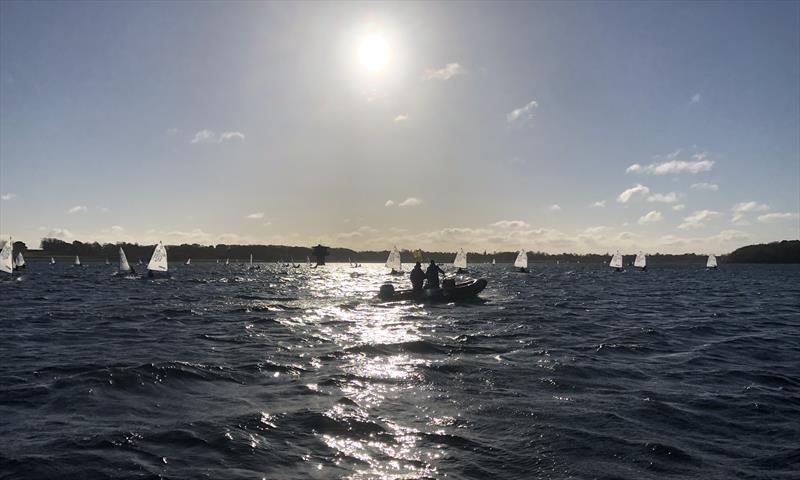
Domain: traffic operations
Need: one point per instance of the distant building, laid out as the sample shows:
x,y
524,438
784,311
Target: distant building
x,y
320,252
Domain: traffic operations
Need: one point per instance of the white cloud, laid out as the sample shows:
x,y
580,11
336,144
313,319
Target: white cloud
x,y
699,163
695,99
670,197
105,210
401,118
554,207
411,202
516,224
739,219
208,136
61,233
697,219
8,196
651,217
173,131
77,209
750,207
225,136
598,204
678,207
523,114
445,73
116,229
636,191
389,203
776,217
255,216
204,136
708,187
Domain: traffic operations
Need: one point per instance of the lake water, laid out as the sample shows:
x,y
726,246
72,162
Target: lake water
x,y
571,371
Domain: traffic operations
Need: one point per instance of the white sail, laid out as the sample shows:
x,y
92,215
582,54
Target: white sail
x,y
227,261
461,259
20,260
188,261
107,262
52,261
616,261
494,261
393,261
123,261
308,261
77,261
712,262
6,262
251,259
641,260
158,262
522,259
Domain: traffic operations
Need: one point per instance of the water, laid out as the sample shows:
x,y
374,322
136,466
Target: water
x,y
569,372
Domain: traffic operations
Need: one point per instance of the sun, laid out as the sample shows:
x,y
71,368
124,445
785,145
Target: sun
x,y
373,53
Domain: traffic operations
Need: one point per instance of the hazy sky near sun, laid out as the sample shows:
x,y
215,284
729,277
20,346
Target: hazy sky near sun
x,y
554,126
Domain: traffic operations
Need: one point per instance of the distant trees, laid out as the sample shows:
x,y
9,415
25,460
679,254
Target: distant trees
x,y
786,251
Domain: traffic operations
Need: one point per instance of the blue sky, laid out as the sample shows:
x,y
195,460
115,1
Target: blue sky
x,y
491,126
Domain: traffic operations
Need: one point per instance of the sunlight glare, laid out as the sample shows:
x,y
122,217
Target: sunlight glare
x,y
373,53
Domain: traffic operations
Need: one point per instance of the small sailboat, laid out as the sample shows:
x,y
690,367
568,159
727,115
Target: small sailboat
x,y
218,260
308,261
711,263
616,262
394,262
107,262
52,261
494,261
20,265
641,262
6,260
460,262
158,262
77,261
188,261
294,265
251,265
521,261
123,262
227,261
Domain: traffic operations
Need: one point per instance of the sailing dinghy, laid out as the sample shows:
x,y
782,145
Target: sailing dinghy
x,y
522,261
20,262
641,262
158,262
6,260
77,261
460,261
616,262
711,263
394,263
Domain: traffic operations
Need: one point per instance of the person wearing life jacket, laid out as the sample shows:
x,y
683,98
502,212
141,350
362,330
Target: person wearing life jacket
x,y
432,275
417,277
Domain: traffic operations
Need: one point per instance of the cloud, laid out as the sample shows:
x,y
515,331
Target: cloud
x,y
699,163
445,73
255,216
776,217
411,202
678,207
511,224
697,219
389,203
554,207
523,114
739,219
708,187
695,99
401,118
203,136
670,197
116,229
598,204
61,233
173,131
750,207
105,210
225,136
208,136
651,217
636,191
77,209
8,196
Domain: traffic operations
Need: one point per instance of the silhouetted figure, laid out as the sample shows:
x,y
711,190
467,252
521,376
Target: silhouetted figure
x,y
150,274
417,277
432,275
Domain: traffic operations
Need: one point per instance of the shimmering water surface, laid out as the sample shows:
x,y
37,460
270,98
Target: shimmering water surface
x,y
569,372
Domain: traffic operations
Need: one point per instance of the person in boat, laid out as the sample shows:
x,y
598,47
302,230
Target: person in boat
x,y
417,277
432,275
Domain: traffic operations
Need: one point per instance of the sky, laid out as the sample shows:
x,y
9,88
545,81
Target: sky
x,y
551,126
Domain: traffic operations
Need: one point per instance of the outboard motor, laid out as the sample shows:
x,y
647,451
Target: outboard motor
x,y
386,292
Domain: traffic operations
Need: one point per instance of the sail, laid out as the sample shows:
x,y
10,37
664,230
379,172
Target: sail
x,y
188,261
251,259
77,261
461,259
107,262
6,262
227,261
393,261
522,259
20,260
158,262
308,260
712,262
123,261
52,261
616,261
641,260
494,261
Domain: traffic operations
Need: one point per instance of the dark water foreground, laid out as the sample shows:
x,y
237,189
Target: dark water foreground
x,y
570,372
